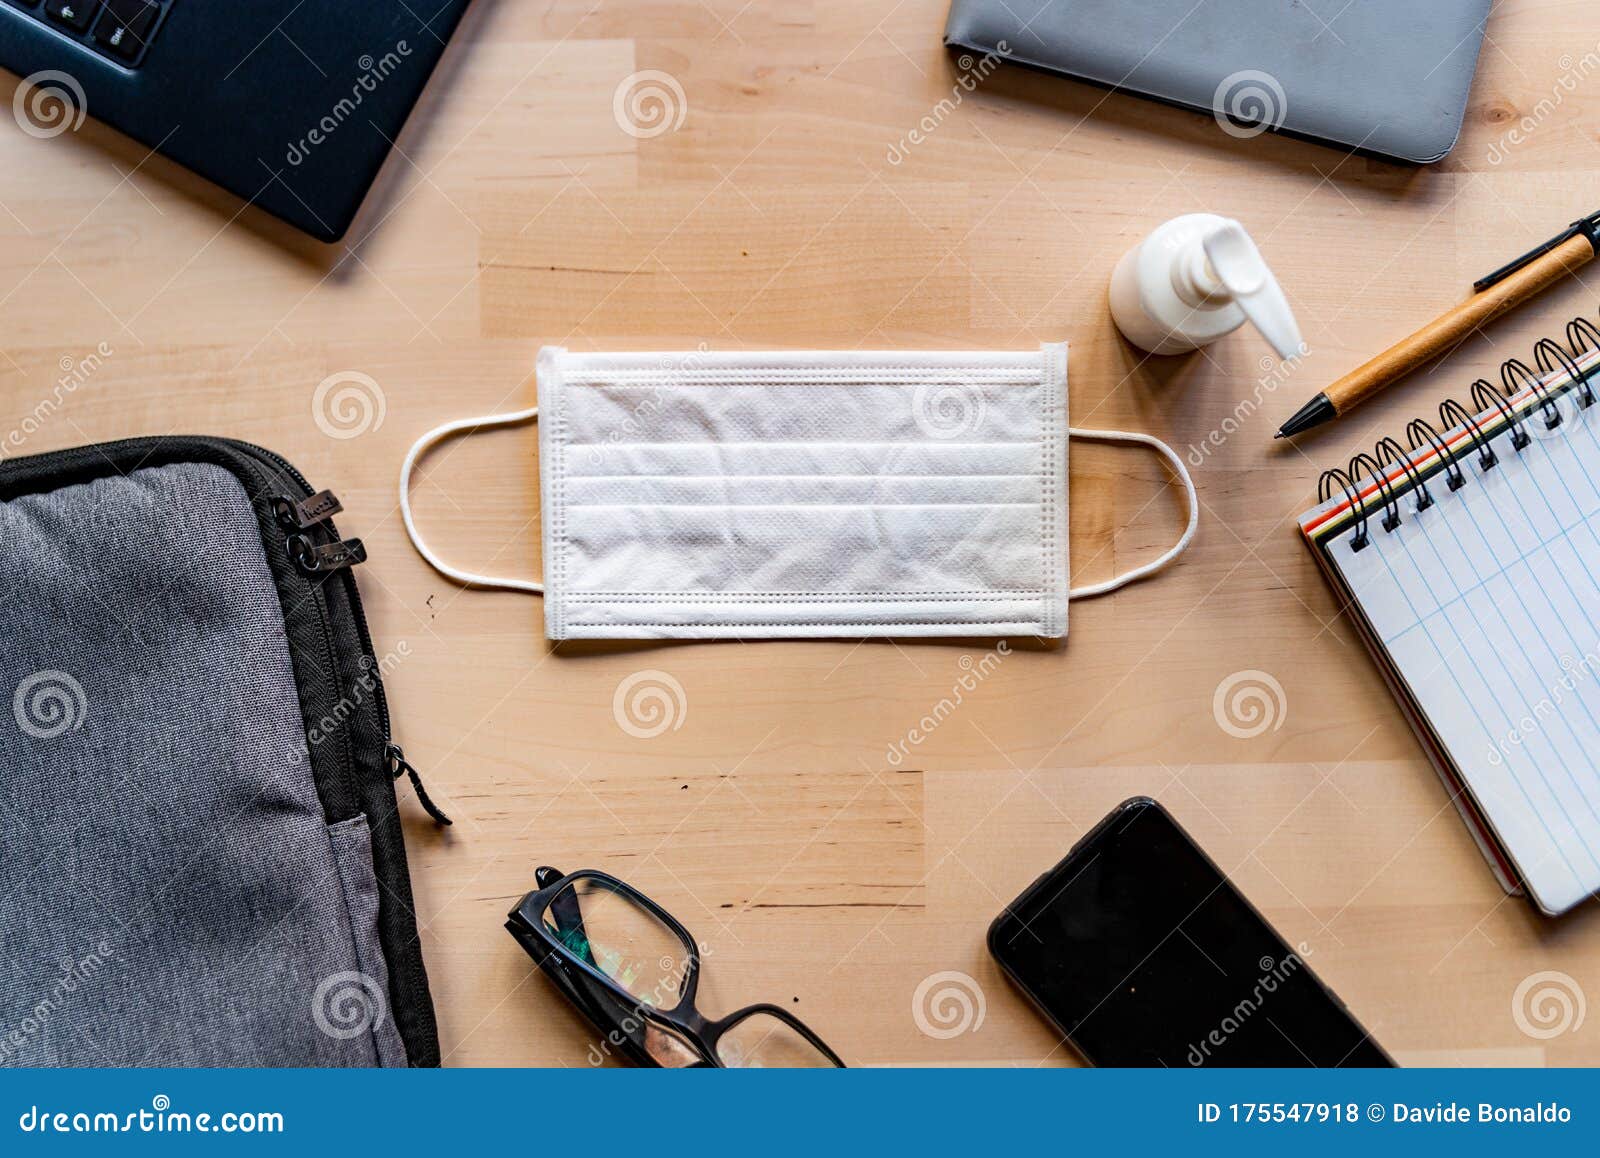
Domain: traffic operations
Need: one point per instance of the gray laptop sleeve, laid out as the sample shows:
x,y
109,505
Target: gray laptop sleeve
x,y
202,862
1381,78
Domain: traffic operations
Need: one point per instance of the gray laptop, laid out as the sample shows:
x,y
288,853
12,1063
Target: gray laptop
x,y
1374,75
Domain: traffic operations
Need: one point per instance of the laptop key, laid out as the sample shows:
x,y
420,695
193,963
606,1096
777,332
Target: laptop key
x,y
125,25
72,13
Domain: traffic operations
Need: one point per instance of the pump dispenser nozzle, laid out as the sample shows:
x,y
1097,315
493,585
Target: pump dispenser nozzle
x,y
1195,279
1238,264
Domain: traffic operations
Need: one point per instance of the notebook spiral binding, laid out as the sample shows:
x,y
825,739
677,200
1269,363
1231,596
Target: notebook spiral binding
x,y
1389,461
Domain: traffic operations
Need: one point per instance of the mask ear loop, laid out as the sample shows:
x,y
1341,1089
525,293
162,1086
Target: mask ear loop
x,y
492,421
1150,568
435,436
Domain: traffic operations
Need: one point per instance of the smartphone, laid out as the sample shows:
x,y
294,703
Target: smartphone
x,y
1142,954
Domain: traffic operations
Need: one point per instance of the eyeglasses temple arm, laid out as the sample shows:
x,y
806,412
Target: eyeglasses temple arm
x,y
567,915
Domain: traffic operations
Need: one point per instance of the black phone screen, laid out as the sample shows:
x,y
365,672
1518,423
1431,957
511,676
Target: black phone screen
x,y
1139,949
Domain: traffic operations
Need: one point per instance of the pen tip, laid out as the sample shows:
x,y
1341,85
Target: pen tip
x,y
1313,413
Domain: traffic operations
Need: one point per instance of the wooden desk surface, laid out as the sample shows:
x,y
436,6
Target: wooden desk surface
x,y
519,213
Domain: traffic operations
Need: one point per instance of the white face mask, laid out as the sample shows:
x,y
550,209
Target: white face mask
x,y
802,494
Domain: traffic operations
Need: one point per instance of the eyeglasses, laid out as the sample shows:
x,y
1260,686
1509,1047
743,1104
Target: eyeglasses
x,y
633,971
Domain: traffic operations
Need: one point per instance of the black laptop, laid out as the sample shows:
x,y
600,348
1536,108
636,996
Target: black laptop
x,y
290,104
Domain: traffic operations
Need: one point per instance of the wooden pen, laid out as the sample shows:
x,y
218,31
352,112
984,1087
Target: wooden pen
x,y
1508,286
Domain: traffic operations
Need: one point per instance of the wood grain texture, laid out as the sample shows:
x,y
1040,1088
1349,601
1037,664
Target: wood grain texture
x,y
1441,335
519,212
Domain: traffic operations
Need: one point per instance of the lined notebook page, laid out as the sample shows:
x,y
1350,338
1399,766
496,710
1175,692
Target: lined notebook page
x,y
1488,603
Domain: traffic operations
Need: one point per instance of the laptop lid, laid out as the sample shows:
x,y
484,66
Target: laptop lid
x,y
1390,79
291,106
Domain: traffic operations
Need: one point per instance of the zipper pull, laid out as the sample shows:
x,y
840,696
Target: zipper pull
x,y
316,560
398,764
299,514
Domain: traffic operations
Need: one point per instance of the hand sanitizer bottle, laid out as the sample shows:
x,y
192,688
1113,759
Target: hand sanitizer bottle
x,y
1193,280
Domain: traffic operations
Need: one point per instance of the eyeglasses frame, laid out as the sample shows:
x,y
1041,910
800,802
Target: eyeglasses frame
x,y
526,923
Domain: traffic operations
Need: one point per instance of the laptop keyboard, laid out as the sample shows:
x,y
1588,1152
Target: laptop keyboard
x,y
119,29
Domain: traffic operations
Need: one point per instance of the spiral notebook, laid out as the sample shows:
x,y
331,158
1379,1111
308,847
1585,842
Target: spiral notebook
x,y
1469,557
